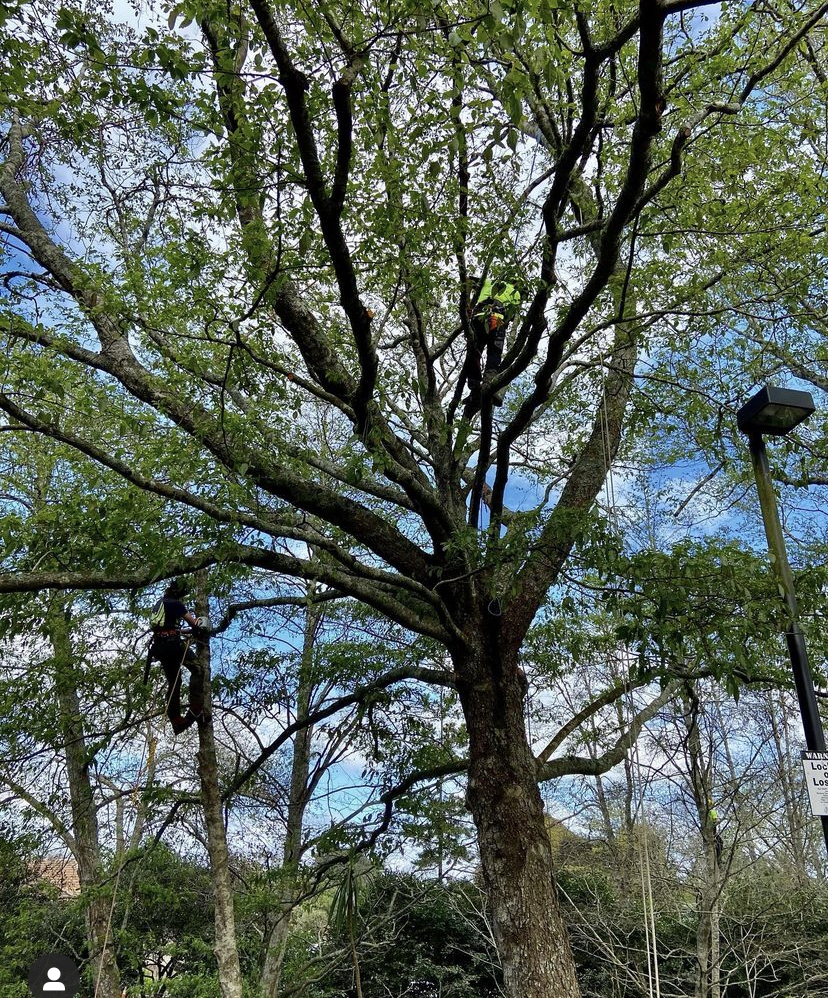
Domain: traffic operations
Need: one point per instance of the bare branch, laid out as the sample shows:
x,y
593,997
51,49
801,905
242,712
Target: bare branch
x,y
570,765
431,676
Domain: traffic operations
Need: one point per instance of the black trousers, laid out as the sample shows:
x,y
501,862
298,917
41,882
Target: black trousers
x,y
490,338
175,656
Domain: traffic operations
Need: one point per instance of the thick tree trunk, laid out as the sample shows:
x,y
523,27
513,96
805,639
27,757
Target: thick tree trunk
x,y
87,853
715,945
702,950
708,950
226,950
515,853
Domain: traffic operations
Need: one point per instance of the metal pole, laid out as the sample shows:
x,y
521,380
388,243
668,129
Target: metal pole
x,y
811,721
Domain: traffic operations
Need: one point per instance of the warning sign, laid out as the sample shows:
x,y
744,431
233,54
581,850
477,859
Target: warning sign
x,y
816,779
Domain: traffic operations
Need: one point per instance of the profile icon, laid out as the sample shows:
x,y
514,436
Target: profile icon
x,y
53,974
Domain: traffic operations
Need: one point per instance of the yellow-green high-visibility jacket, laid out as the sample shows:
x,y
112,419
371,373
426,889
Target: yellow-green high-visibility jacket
x,y
506,298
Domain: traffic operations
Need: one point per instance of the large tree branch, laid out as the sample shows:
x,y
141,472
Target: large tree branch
x,y
341,95
416,608
321,359
44,811
328,208
116,359
613,694
375,591
276,602
572,765
647,126
279,528
123,579
360,695
583,485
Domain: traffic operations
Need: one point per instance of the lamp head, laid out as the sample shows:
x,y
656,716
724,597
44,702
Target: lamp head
x,y
775,411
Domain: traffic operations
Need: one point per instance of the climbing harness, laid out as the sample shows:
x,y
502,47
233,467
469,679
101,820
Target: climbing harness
x,y
174,678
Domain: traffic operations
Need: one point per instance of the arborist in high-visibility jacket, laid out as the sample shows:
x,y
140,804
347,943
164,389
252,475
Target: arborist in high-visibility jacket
x,y
713,820
497,304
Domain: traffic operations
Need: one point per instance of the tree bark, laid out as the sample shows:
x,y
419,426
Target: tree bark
x,y
506,805
225,949
99,901
715,944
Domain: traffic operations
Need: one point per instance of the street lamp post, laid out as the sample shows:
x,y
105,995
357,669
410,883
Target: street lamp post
x,y
776,411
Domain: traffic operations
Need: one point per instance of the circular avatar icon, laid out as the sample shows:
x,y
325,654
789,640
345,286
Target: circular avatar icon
x,y
54,974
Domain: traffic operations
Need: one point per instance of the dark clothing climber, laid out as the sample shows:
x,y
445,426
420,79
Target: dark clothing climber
x,y
497,304
175,653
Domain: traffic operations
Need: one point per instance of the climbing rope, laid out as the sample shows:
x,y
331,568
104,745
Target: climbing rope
x,y
648,905
147,755
623,659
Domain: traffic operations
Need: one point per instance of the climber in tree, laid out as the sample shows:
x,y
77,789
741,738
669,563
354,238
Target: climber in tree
x,y
496,305
713,819
175,652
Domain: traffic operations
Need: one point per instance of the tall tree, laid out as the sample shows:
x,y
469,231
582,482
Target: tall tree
x,y
241,250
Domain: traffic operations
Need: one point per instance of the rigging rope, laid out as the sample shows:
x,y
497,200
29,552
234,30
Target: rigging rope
x,y
623,658
147,754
